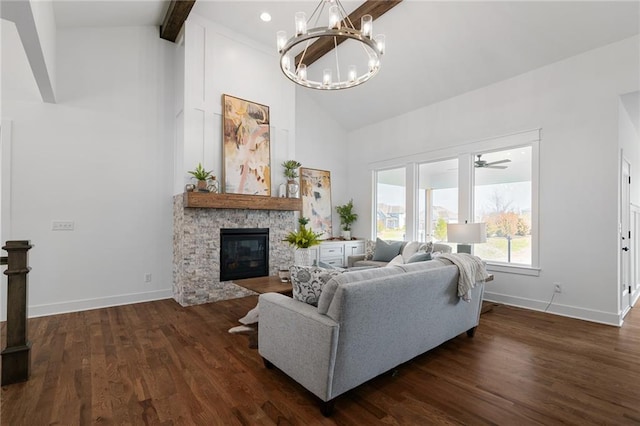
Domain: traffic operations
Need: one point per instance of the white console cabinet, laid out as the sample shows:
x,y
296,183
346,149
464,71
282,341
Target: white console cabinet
x,y
336,252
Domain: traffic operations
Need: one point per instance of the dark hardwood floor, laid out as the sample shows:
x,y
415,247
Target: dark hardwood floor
x,y
158,363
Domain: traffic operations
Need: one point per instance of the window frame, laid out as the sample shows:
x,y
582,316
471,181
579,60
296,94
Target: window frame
x,y
407,202
418,195
465,153
497,265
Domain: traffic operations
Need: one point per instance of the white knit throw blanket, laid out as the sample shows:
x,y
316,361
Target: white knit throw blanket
x,y
471,270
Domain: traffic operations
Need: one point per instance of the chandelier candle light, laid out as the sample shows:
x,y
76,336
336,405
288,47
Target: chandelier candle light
x,y
339,27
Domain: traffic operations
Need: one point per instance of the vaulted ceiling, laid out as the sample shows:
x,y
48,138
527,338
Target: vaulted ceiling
x,y
435,50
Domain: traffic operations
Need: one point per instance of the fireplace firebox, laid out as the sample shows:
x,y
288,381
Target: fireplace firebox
x,y
244,253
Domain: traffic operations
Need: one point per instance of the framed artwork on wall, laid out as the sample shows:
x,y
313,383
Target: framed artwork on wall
x,y
246,148
315,188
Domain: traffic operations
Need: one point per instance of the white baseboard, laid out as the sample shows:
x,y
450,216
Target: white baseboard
x,y
102,302
556,309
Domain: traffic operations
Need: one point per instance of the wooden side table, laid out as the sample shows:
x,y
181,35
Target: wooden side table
x,y
487,306
270,284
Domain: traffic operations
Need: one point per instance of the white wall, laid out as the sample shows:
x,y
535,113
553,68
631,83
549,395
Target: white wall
x,y
321,143
101,157
219,61
575,102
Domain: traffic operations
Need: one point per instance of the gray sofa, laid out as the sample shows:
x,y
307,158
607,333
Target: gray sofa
x,y
360,260
366,323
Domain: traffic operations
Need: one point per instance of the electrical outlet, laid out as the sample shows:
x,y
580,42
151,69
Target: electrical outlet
x,y
147,277
557,288
62,225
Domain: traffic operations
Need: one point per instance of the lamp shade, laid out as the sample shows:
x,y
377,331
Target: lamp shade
x,y
467,233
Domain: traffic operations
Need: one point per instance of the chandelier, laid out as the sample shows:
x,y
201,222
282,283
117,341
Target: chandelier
x,y
338,29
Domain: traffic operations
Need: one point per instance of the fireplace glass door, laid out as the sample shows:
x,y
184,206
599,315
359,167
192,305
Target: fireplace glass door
x,y
244,253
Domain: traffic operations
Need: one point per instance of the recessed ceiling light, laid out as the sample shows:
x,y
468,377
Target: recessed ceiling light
x,y
265,16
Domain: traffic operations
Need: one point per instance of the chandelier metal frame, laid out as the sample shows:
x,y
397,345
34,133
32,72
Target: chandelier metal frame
x,y
343,28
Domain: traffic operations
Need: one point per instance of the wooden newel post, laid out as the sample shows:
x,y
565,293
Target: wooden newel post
x,y
16,356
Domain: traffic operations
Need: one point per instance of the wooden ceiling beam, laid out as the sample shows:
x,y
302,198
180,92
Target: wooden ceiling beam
x,y
177,13
322,46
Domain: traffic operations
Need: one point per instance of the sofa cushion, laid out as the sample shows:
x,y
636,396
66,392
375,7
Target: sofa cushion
x,y
419,257
308,281
421,266
398,260
409,249
369,263
329,290
441,247
386,250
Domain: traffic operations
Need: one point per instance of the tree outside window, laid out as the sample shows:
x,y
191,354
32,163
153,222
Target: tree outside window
x,y
503,201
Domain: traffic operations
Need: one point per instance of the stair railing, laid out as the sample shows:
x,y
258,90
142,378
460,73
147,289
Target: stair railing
x,y
16,356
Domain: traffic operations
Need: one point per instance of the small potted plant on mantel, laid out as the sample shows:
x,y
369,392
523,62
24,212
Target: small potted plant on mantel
x,y
201,175
302,239
347,217
291,173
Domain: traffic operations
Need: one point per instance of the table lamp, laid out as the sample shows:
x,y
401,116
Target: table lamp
x,y
466,234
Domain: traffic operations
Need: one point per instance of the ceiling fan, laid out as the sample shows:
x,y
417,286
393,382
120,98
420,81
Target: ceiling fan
x,y
481,164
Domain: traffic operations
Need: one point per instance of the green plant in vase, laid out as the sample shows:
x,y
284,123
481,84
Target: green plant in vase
x,y
291,173
347,217
201,175
302,239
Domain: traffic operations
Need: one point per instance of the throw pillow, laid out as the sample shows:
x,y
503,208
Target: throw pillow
x,y
369,248
426,247
419,257
386,250
398,260
410,249
307,282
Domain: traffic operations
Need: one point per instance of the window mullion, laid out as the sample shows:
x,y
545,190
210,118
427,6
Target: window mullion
x,y
465,187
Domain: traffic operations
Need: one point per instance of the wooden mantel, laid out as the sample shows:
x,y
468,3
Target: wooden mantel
x,y
208,200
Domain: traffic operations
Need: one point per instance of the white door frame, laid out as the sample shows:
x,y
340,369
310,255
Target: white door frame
x,y
626,246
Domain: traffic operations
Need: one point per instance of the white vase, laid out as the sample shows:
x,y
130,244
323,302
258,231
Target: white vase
x,y
302,257
346,235
293,189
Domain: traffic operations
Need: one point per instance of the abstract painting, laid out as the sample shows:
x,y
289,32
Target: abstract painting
x,y
246,147
315,187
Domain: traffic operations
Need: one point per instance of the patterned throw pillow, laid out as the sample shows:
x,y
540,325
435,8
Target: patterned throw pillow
x,y
426,247
307,282
369,248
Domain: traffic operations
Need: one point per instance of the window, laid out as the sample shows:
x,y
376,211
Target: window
x,y
503,200
494,181
391,204
437,199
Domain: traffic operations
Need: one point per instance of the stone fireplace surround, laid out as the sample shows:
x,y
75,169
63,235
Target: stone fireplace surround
x,y
196,248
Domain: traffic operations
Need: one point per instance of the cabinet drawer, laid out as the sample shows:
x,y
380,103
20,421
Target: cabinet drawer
x,y
354,248
334,261
331,251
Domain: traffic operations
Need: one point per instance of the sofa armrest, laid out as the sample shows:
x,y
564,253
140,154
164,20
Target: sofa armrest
x,y
294,337
351,260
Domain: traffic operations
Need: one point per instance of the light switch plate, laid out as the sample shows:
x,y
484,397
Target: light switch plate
x,y
62,225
